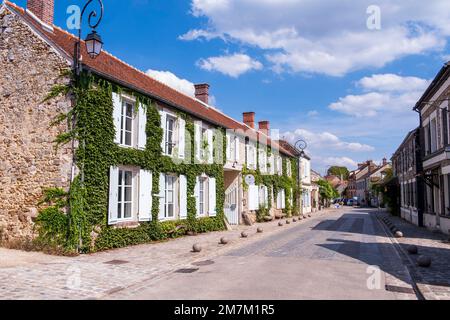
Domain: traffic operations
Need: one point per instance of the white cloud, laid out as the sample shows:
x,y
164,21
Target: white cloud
x,y
230,65
338,161
393,82
170,79
389,94
313,113
325,140
328,37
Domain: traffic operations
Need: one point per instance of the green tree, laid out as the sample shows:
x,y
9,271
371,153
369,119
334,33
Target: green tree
x,y
327,192
339,171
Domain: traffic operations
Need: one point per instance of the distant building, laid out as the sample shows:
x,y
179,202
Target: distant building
x,y
406,165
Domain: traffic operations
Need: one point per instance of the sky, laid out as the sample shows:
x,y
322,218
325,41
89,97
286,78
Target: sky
x,y
342,75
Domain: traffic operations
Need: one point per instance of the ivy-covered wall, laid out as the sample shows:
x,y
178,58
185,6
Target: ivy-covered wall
x,y
85,227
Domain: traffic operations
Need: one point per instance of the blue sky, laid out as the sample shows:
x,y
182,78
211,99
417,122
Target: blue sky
x,y
313,68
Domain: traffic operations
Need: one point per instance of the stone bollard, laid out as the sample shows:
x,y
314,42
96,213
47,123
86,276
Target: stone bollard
x,y
244,234
399,234
196,248
260,230
424,262
288,221
413,249
294,220
280,224
224,240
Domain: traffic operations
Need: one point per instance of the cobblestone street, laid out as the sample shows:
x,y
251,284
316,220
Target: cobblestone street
x,y
433,282
327,256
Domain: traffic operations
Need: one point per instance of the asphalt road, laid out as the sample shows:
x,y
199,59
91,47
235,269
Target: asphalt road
x,y
332,257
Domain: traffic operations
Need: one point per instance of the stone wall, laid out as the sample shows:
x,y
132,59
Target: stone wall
x,y
29,163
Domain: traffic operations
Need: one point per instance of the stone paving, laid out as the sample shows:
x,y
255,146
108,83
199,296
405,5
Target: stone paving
x,y
433,282
38,276
327,257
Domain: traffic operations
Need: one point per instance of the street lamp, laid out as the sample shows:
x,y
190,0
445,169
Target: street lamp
x,y
93,41
300,146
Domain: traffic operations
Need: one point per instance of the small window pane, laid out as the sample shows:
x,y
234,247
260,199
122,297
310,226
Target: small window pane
x,y
127,213
128,194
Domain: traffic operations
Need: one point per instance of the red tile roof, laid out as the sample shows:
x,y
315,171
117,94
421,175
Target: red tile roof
x,y
108,66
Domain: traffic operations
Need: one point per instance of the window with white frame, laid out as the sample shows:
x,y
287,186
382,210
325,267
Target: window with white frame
x,y
169,197
262,159
125,194
263,197
170,135
289,168
280,166
130,195
251,154
205,194
127,124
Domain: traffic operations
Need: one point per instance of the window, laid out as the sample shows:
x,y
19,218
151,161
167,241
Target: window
x,y
126,125
203,199
279,166
205,194
263,197
433,135
170,134
125,195
169,195
251,154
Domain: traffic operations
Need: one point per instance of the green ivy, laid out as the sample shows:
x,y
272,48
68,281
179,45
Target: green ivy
x,y
87,201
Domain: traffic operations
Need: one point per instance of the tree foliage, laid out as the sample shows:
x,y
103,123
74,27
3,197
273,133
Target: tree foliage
x,y
339,171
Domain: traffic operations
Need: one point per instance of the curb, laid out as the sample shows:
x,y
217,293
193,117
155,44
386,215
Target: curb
x,y
402,254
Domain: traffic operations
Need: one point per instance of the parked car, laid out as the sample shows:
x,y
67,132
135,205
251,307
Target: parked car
x,y
351,202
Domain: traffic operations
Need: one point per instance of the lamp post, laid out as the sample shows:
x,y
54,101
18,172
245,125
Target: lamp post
x,y
94,46
300,146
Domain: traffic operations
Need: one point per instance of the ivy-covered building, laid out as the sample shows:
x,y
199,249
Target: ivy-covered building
x,y
117,158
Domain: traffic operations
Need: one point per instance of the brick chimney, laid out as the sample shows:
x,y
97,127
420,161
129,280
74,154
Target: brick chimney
x,y
264,126
249,119
202,92
42,9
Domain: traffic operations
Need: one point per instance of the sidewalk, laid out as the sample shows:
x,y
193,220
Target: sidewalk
x,y
433,282
96,276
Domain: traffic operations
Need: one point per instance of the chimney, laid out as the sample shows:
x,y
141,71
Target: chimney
x,y
249,119
384,162
202,92
42,9
264,127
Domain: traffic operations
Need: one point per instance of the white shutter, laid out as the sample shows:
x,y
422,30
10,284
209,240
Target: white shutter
x,y
145,195
228,147
197,139
212,197
113,194
181,137
253,198
283,199
162,197
117,114
279,201
163,126
237,148
183,197
197,195
142,135
209,133
255,155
